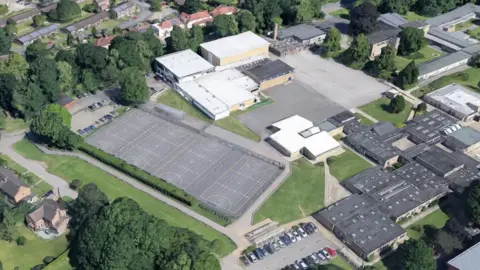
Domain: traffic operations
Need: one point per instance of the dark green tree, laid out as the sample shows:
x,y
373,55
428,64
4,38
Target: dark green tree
x,y
8,85
36,49
472,202
3,10
15,65
94,31
246,21
29,100
408,76
363,19
89,201
384,64
70,40
66,10
305,11
411,41
156,5
191,6
178,41
225,25
39,20
195,38
397,104
448,243
44,72
5,42
422,107
416,254
357,54
134,89
398,6
7,225
10,29
433,8
331,45
328,267
265,12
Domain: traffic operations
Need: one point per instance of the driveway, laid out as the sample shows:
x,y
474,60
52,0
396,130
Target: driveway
x,y
345,86
290,99
142,15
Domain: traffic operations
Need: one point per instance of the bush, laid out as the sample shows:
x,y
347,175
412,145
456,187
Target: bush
x,y
248,250
48,259
38,267
142,176
21,241
422,107
75,184
464,76
331,160
296,227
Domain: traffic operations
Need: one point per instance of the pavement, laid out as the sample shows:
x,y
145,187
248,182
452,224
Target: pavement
x,y
143,14
334,191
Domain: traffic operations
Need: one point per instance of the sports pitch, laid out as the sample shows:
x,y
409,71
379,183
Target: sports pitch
x,y
222,177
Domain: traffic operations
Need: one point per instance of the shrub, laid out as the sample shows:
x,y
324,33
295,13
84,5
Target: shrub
x,y
38,267
331,160
296,227
422,107
75,184
21,240
464,76
48,259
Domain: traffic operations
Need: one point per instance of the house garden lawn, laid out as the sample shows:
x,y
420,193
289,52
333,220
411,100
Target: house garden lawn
x,y
379,109
425,54
347,165
301,194
437,219
468,78
33,252
70,168
62,262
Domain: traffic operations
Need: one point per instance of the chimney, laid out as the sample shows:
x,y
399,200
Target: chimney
x,y
275,31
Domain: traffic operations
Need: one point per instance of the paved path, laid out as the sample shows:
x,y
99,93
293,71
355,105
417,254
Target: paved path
x,y
357,110
333,190
35,167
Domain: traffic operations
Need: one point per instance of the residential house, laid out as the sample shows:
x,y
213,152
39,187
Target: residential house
x,y
104,41
124,9
102,4
48,215
86,23
384,35
24,16
12,187
163,29
222,9
199,18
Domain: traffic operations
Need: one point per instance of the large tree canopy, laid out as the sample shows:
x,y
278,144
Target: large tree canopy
x,y
358,52
191,6
411,40
384,64
472,205
178,40
246,21
331,45
363,19
408,76
416,254
134,89
136,240
225,25
5,42
66,10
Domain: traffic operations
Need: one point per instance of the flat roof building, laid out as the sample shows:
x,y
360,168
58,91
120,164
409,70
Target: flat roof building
x,y
236,48
429,127
271,73
39,33
24,15
455,100
304,33
86,23
442,64
467,260
183,66
440,162
219,93
465,139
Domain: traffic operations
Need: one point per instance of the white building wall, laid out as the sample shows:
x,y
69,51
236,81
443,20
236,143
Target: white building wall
x,y
444,69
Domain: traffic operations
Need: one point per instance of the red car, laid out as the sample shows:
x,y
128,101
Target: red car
x,y
331,251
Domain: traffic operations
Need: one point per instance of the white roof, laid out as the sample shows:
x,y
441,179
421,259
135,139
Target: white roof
x,y
294,124
320,143
292,142
204,98
467,260
184,63
234,45
457,98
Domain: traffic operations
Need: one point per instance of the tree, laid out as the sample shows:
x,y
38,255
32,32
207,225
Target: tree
x,y
246,21
328,267
416,254
472,202
7,225
89,201
191,6
422,107
15,65
3,10
408,76
363,19
43,71
265,12
384,64
91,8
39,20
21,240
156,5
411,40
398,6
66,10
331,45
94,31
75,184
358,52
10,29
305,11
475,61
70,40
65,79
448,243
60,111
29,100
433,8
35,50
178,41
225,25
134,89
195,38
8,85
5,42
397,104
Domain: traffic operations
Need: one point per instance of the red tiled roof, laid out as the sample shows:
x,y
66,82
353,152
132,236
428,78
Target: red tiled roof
x,y
186,18
169,23
104,41
223,10
204,21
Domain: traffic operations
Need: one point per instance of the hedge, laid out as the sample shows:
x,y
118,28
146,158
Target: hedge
x,y
144,177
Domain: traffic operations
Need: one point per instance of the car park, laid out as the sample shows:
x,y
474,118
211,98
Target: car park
x,y
321,256
311,225
244,260
302,264
296,235
302,232
326,254
291,237
251,257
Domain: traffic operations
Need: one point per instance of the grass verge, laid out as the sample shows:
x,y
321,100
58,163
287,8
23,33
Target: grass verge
x,y
174,100
301,194
468,78
62,262
234,125
338,261
342,13
436,219
365,121
425,54
70,168
347,165
412,16
33,252
15,124
379,109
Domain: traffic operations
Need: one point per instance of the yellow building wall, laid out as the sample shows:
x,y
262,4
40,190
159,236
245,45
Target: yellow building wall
x,y
276,81
235,58
246,104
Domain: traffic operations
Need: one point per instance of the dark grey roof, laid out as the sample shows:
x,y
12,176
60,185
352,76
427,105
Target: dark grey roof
x,y
466,135
415,150
86,22
25,15
439,161
441,62
459,14
472,50
462,179
393,19
383,128
451,38
48,8
9,182
414,24
360,222
427,128
326,126
341,118
365,140
41,32
269,70
301,32
123,6
383,32
64,100
3,22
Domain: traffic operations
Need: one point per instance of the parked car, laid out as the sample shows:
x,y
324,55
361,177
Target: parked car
x,y
309,261
315,258
326,254
264,252
311,225
302,264
321,256
251,257
259,254
280,243
269,248
244,260
291,237
307,228
297,236
275,246
285,239
295,266
302,232
332,252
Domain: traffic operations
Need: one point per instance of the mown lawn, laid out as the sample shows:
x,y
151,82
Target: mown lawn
x,y
60,263
70,168
427,53
33,252
338,261
347,165
174,100
365,121
379,109
468,78
436,219
15,124
232,124
301,194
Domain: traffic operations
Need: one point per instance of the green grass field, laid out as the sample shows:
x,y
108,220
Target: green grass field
x,y
468,78
412,16
342,13
378,109
365,121
437,219
70,168
62,262
301,194
234,125
15,124
338,261
427,53
347,165
33,252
